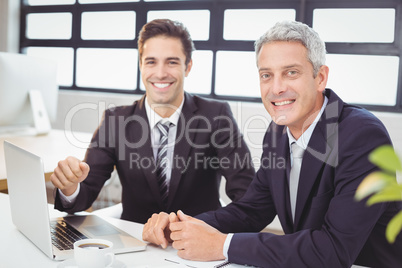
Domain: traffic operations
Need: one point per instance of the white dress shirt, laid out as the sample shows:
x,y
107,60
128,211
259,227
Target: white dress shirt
x,y
153,119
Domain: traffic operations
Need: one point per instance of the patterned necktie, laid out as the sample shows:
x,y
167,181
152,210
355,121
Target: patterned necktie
x,y
297,155
161,162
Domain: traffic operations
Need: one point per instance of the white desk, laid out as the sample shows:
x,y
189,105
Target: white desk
x,y
53,147
17,251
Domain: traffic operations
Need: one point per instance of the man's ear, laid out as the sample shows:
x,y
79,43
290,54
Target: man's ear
x,y
188,67
322,78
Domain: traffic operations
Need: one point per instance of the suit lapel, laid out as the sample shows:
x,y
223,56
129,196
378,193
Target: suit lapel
x,y
280,181
182,147
319,153
310,172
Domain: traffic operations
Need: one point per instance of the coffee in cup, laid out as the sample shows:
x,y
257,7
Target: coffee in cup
x,y
93,253
93,245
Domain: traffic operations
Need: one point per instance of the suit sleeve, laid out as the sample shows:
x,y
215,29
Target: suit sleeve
x,y
236,162
100,157
252,213
345,228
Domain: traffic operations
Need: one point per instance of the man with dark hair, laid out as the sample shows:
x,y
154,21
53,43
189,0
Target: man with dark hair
x,y
170,148
326,144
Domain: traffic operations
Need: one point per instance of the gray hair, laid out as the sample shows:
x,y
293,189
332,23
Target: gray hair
x,y
297,32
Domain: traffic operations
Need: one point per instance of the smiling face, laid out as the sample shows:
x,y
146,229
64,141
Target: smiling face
x,y
163,70
289,91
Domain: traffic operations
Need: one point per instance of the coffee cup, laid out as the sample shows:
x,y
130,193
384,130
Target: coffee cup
x,y
93,253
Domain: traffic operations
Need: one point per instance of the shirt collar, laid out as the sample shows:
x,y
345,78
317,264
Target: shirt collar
x,y
154,118
305,137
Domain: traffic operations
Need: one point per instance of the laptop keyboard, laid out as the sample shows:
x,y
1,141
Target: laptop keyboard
x,y
64,235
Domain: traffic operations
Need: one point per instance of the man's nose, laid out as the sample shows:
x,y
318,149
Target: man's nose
x,y
161,71
278,86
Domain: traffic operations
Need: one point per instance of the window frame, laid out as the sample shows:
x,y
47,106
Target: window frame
x,y
304,13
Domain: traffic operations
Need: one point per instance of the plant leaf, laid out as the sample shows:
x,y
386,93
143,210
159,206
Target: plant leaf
x,y
386,158
391,193
394,227
374,182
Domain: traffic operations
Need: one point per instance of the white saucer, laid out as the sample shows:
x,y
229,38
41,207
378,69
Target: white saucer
x,y
70,263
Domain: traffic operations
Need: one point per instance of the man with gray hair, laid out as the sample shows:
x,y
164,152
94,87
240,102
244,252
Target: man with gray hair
x,y
326,144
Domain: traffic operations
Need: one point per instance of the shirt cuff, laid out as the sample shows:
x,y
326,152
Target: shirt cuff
x,y
226,245
69,200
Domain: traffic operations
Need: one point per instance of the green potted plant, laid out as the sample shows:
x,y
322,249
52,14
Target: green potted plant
x,y
383,186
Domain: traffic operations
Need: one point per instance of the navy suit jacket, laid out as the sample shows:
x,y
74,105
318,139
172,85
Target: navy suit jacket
x,y
331,229
208,146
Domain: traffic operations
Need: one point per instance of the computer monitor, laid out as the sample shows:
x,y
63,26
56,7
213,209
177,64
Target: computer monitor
x,y
28,94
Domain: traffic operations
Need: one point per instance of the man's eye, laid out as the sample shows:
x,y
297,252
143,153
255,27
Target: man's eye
x,y
265,76
291,73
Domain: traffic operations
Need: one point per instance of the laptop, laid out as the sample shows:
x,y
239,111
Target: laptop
x,y
30,211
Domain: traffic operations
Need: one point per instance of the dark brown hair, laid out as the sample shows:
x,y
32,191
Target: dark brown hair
x,y
168,28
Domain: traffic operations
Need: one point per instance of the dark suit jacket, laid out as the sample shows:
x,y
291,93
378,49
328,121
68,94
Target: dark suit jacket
x,y
208,145
331,229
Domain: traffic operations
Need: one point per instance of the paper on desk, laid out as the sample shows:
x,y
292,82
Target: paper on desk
x,y
198,264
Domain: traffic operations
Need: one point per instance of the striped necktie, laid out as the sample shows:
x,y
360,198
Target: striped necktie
x,y
297,155
161,162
